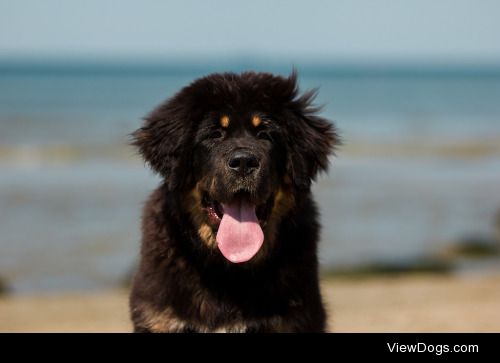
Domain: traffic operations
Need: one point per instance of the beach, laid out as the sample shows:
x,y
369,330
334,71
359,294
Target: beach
x,y
408,303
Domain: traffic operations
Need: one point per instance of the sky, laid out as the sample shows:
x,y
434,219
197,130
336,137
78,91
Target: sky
x,y
377,30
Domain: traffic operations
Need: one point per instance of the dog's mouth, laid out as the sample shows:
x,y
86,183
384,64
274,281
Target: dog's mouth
x,y
238,224
215,209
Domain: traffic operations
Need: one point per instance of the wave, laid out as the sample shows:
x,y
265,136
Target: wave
x,y
31,155
42,155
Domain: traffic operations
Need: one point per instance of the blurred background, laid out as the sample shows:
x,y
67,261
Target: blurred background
x,y
413,86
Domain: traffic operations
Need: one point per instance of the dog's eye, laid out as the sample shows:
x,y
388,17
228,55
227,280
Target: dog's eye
x,y
217,134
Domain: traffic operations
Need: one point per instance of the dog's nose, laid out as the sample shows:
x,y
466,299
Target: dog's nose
x,y
243,162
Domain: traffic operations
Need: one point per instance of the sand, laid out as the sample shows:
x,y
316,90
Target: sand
x,y
389,304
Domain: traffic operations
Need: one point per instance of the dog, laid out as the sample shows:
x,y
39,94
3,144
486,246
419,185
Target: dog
x,y
229,238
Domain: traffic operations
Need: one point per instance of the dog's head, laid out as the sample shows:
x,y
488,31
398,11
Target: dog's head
x,y
237,149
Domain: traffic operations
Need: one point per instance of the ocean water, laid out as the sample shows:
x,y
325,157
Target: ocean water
x,y
419,169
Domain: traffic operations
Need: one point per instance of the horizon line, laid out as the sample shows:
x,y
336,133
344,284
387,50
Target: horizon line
x,y
189,65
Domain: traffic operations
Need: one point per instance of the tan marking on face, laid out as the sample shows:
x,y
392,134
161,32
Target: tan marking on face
x,y
256,120
192,204
283,202
224,121
206,234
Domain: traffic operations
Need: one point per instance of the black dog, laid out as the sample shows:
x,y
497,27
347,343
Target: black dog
x,y
230,237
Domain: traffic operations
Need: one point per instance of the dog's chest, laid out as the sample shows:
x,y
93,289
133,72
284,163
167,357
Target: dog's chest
x,y
167,321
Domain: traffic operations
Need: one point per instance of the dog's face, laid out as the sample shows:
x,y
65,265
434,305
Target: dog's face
x,y
240,155
237,149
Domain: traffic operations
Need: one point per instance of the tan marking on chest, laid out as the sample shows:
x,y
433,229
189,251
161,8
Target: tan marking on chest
x,y
192,203
164,321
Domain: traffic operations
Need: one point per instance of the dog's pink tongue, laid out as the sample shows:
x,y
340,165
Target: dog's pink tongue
x,y
239,236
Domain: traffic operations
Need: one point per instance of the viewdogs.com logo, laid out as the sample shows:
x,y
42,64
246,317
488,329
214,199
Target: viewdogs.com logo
x,y
437,349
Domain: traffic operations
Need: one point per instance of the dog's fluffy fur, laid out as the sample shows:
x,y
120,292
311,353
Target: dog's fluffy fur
x,y
184,283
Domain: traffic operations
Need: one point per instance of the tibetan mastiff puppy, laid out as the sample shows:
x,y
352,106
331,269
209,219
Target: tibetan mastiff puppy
x,y
230,236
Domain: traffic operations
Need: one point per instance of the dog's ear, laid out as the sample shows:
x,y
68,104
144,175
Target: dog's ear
x,y
311,138
164,138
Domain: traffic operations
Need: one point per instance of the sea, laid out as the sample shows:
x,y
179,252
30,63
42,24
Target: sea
x,y
418,171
